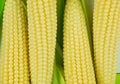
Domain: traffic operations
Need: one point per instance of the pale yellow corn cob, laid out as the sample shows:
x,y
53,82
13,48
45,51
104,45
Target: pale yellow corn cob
x,y
106,32
77,57
42,21
14,51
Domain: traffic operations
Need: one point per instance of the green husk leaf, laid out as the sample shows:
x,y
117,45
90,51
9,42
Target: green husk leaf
x,y
2,3
25,7
58,76
118,79
60,15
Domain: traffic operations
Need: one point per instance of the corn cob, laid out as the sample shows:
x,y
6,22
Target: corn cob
x,y
106,32
42,22
77,57
14,51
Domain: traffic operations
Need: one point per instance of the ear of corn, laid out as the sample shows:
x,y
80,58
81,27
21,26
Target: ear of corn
x,y
77,57
14,49
42,21
106,32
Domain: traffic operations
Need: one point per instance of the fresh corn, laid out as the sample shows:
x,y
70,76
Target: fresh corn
x,y
42,22
106,32
77,56
14,51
